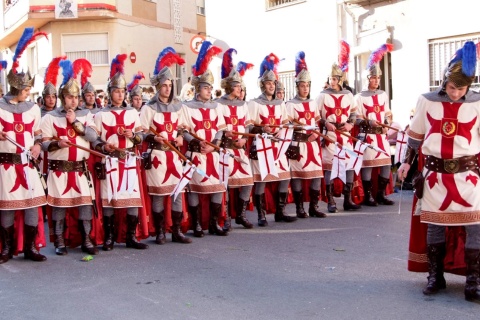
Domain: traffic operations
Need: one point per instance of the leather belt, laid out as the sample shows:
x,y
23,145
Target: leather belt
x,y
120,154
228,143
10,158
194,146
159,146
337,125
455,165
66,166
300,137
372,130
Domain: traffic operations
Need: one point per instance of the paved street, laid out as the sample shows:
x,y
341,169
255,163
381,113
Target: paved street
x,y
347,266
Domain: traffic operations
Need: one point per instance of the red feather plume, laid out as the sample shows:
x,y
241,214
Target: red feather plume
x,y
24,45
212,51
117,65
243,66
85,67
344,56
135,81
52,71
378,54
169,59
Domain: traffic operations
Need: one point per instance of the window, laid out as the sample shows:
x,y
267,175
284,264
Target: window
x,y
274,4
201,7
90,46
288,81
440,53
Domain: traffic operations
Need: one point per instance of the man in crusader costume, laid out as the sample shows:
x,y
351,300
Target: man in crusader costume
x,y
446,127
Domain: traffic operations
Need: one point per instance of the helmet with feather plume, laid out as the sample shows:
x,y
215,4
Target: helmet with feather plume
x,y
201,73
21,80
166,58
373,65
117,74
461,69
70,85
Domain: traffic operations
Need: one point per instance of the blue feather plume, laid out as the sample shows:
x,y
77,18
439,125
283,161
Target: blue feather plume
x,y
67,71
201,54
469,61
3,64
300,63
24,39
160,56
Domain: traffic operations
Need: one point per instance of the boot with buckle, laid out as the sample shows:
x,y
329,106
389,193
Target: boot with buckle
x,y
241,217
213,226
298,199
348,204
108,238
313,210
381,197
259,205
367,191
227,225
59,242
472,284
436,280
6,236
195,218
331,205
280,215
159,222
131,240
85,227
177,235
30,252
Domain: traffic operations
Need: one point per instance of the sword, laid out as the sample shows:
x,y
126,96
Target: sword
x,y
370,146
90,187
181,155
30,158
217,148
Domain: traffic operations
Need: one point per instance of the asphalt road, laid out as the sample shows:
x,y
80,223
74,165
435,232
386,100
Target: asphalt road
x,y
351,265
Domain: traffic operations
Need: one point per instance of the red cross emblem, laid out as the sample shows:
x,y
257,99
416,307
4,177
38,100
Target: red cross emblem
x,y
375,108
337,109
270,118
206,124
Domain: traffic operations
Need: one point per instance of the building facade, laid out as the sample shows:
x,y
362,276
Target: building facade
x,y
99,30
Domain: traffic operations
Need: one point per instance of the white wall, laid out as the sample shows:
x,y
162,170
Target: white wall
x,y
246,26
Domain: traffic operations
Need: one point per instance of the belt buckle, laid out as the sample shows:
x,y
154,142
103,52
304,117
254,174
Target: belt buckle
x,y
451,165
67,166
16,158
122,155
164,147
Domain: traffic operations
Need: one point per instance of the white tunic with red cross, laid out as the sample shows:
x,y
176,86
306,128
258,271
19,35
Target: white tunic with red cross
x,y
309,164
335,107
22,128
449,130
270,112
167,167
205,120
237,118
110,124
67,189
372,105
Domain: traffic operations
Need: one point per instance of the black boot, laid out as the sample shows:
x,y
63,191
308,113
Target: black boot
x,y
382,185
313,210
131,241
280,210
331,205
58,229
6,236
196,225
159,222
85,227
227,226
241,217
30,252
177,235
213,227
472,284
367,191
436,281
298,199
348,204
259,205
108,237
